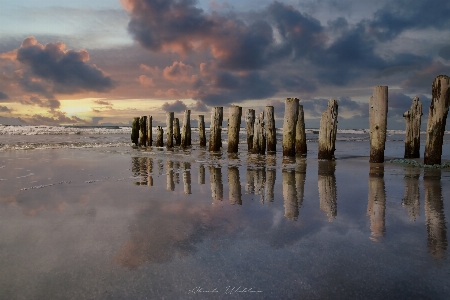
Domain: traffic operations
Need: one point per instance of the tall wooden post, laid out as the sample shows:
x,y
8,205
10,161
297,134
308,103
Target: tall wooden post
x,y
234,126
159,136
437,118
271,130
215,138
290,120
201,130
300,133
135,131
143,131
328,130
259,136
249,126
413,120
378,109
169,128
149,130
186,130
176,132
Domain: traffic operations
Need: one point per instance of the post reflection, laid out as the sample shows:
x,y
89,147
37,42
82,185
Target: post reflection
x,y
411,197
169,174
434,213
234,185
290,194
142,168
176,169
300,177
377,201
260,183
201,174
250,181
187,178
215,178
327,188
271,177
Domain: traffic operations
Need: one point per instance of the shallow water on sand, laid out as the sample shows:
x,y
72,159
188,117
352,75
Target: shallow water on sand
x,y
122,223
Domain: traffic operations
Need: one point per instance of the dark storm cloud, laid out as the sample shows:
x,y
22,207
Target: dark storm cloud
x,y
3,96
177,106
66,70
57,118
199,106
400,103
316,107
102,102
444,52
397,16
421,80
95,120
295,83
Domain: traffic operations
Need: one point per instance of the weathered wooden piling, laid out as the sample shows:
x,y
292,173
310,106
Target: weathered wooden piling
x,y
290,194
376,207
327,188
215,178
300,133
169,129
378,109
328,130
271,131
215,138
186,130
437,117
234,126
290,121
159,137
249,126
143,131
201,130
234,184
135,131
176,132
259,135
149,131
413,120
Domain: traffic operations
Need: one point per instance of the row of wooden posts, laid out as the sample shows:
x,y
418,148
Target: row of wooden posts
x,y
261,135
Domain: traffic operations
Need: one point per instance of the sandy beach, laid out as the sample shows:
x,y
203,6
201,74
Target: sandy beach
x,y
123,223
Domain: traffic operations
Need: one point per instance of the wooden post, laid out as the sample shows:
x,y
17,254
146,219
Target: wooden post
x,y
290,194
135,131
176,132
149,131
186,130
215,138
234,183
249,126
327,188
376,208
259,136
159,136
143,131
327,132
437,117
378,109
271,130
201,130
290,121
300,134
413,119
169,128
234,126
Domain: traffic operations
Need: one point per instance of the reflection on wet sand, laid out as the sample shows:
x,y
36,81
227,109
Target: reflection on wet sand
x,y
215,178
201,174
169,174
176,168
234,185
300,177
187,178
434,213
271,177
290,194
376,201
327,188
256,182
142,168
411,197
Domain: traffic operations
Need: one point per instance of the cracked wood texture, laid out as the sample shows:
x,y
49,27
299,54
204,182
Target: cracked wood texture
x,y
413,120
378,109
327,132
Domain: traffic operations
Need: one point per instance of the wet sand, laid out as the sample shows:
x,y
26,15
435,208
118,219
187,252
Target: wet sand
x,y
122,223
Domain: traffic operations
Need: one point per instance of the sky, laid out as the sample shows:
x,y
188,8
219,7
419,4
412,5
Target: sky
x,y
104,62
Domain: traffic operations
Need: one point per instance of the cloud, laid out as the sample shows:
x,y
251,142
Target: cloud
x,y
102,102
177,106
444,52
12,121
3,96
315,107
171,93
49,103
199,106
278,107
95,120
420,81
57,118
53,69
178,71
152,70
146,81
5,109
